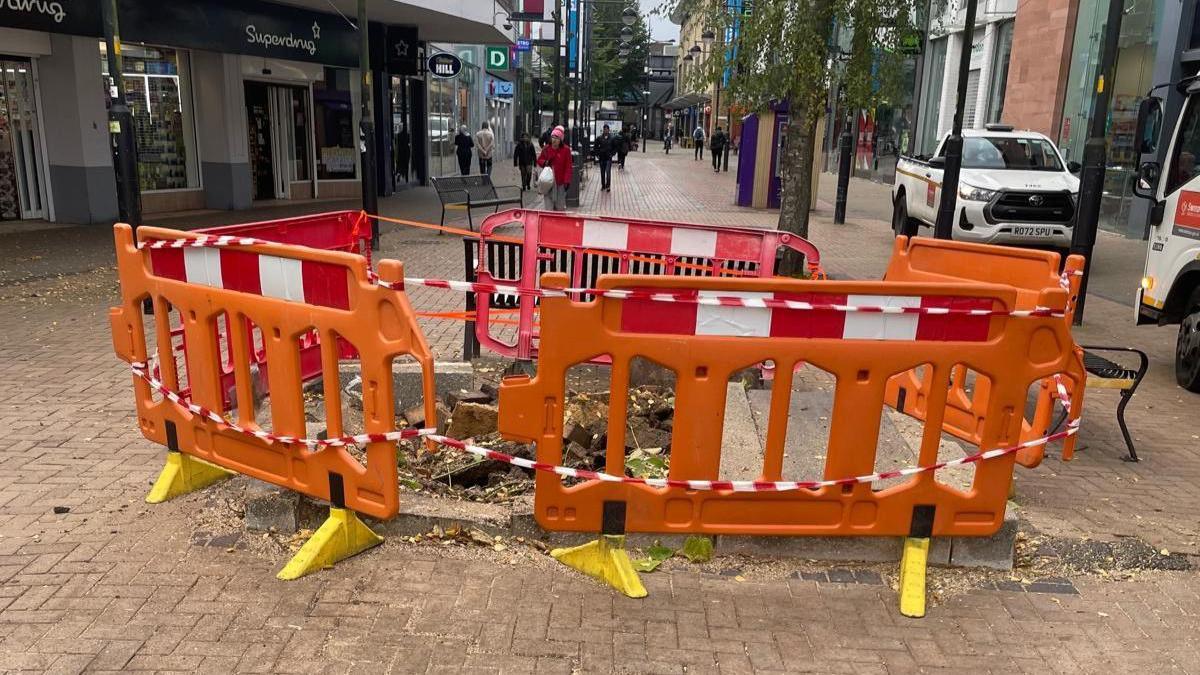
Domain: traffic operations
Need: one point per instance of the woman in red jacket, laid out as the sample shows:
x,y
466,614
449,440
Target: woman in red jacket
x,y
557,156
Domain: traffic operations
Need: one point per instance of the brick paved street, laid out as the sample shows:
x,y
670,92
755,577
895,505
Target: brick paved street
x,y
115,584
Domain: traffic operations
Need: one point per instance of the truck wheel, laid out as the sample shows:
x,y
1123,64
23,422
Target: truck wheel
x,y
900,217
1187,349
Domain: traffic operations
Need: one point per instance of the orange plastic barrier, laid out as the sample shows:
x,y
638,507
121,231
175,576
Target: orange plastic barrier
x,y
1032,273
294,292
705,344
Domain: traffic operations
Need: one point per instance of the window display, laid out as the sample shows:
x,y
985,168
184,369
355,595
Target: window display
x,y
158,91
337,156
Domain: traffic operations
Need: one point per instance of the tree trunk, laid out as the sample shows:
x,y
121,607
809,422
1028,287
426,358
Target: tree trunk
x,y
795,168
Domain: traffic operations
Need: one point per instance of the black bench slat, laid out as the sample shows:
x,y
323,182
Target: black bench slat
x,y
473,191
1101,367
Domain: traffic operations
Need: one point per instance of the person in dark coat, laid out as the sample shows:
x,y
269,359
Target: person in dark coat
x,y
524,157
621,141
604,148
403,152
717,145
462,147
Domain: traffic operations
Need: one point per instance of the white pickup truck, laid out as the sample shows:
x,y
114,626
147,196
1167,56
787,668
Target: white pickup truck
x,y
1013,188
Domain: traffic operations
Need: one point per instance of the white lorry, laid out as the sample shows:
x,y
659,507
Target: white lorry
x,y
1013,188
1170,288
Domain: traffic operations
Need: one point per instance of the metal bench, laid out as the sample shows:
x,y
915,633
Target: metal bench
x,y
1106,374
471,192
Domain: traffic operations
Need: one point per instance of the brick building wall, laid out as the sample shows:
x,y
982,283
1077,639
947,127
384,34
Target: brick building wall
x,y
1039,65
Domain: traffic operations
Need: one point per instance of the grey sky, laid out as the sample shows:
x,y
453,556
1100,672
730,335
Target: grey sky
x,y
661,27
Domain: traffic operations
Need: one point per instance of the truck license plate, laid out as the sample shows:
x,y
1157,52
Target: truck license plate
x,y
1032,231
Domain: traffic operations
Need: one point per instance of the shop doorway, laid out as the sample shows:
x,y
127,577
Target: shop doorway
x,y
277,119
22,192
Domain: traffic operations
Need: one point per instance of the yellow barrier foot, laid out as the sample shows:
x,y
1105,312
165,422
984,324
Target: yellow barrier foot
x,y
912,576
339,537
604,559
183,474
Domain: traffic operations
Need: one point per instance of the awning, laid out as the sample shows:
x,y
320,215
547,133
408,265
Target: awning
x,y
686,101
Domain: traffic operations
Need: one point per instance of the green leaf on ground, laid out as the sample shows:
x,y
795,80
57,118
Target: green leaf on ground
x,y
655,556
698,549
644,465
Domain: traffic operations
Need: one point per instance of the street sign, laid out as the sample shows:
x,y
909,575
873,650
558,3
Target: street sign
x,y
497,58
444,65
524,44
504,89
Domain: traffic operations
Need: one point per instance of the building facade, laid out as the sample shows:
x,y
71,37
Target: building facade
x,y
234,101
990,41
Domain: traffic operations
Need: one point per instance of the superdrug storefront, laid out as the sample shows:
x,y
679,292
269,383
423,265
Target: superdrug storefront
x,y
234,102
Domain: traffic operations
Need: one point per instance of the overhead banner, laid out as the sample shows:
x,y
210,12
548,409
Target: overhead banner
x,y
534,10
573,37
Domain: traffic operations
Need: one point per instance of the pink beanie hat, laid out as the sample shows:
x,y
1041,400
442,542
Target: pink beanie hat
x,y
557,133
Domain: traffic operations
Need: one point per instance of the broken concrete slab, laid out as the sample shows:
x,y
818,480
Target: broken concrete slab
x,y
407,383
420,513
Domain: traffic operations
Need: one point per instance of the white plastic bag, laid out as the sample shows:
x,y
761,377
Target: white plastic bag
x,y
545,180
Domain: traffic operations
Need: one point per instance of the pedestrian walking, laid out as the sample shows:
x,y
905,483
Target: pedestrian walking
x,y
462,148
403,153
698,141
524,157
717,145
604,148
557,156
667,138
485,144
621,141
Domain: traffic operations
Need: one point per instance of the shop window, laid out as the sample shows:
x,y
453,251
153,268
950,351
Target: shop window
x,y
337,156
158,91
1004,36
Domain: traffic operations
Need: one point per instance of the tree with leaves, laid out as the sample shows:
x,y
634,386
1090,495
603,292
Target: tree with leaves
x,y
786,51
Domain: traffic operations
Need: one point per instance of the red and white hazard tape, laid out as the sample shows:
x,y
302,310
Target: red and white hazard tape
x,y
205,241
746,485
708,298
141,370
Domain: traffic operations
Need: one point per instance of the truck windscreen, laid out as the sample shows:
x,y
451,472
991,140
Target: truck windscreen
x,y
1001,152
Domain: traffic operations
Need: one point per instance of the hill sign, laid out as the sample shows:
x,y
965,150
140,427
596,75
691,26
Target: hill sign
x,y
444,65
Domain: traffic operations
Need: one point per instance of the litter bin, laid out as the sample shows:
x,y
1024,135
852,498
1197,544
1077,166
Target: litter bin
x,y
576,179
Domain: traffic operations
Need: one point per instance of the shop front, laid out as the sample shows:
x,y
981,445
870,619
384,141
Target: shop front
x,y
232,102
454,103
1133,78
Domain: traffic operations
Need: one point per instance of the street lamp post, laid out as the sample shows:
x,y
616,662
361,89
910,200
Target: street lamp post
x,y
944,227
646,104
370,195
120,124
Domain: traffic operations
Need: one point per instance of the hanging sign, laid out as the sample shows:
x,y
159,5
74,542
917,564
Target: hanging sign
x,y
444,65
497,58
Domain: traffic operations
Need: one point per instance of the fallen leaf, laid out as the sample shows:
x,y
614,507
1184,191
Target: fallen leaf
x,y
698,549
739,578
